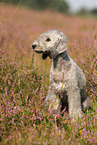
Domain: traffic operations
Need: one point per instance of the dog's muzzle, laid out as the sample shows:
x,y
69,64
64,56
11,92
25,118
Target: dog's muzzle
x,y
34,46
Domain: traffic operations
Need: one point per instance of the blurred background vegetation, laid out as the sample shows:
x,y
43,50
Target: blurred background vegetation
x,y
56,5
86,12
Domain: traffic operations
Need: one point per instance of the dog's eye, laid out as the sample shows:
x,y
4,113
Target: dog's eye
x,y
48,39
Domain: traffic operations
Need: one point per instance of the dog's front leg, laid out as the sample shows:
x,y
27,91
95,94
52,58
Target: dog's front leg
x,y
52,100
74,101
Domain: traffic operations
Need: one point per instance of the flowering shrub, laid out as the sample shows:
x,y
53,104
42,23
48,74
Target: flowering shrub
x,y
24,81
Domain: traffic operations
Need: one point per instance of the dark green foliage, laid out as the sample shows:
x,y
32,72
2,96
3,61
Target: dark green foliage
x,y
83,11
94,11
86,12
56,5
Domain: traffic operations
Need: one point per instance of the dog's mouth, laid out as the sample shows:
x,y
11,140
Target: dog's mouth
x,y
45,55
38,51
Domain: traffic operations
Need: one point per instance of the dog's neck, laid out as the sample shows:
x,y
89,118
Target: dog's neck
x,y
65,56
61,60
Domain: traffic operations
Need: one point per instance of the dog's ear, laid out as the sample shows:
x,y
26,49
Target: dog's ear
x,y
61,46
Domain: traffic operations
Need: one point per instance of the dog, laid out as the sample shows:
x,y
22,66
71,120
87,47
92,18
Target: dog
x,y
67,81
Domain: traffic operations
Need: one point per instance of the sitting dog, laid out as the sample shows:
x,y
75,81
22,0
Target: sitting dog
x,y
67,81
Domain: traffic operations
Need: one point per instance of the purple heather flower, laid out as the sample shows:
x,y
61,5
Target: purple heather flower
x,y
10,137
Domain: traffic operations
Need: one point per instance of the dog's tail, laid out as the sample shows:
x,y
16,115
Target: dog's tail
x,y
87,103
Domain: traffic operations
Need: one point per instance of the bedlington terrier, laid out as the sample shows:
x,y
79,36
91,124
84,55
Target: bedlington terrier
x,y
67,81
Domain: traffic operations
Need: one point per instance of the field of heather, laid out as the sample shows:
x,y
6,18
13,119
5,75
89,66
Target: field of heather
x,y
24,78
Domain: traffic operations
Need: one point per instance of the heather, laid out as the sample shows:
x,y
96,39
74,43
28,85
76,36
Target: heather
x,y
24,78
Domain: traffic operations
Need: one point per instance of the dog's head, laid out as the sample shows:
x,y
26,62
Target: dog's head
x,y
50,43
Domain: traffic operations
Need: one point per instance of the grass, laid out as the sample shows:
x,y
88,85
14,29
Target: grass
x,y
24,79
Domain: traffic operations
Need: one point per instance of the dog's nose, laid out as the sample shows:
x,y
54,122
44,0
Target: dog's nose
x,y
34,45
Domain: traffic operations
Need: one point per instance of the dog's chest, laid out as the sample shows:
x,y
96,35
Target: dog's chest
x,y
57,76
57,80
59,72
